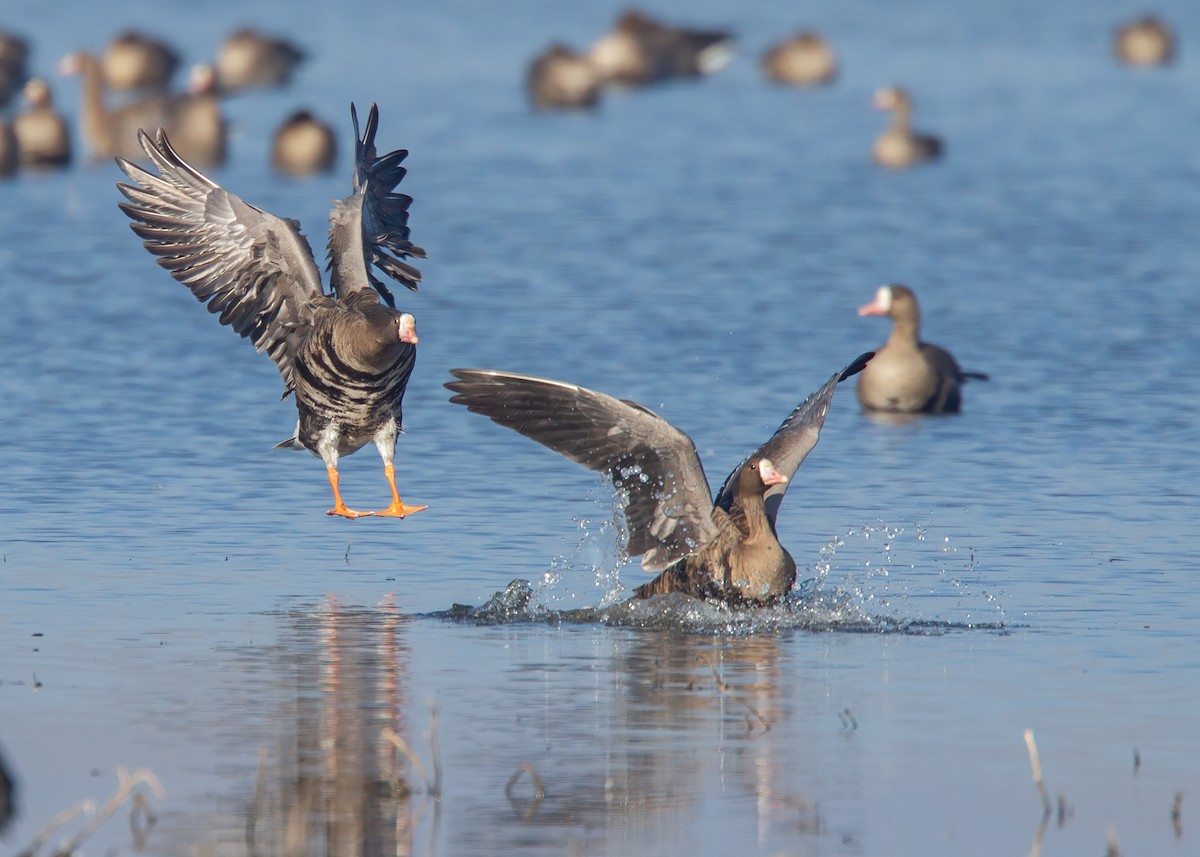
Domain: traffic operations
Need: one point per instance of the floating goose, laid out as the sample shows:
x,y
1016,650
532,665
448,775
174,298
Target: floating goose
x,y
909,376
43,138
136,61
803,60
900,146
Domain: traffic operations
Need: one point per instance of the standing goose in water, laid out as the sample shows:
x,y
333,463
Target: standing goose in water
x,y
346,356
724,549
899,146
909,376
1145,42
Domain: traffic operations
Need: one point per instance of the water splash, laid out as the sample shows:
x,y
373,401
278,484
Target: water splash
x,y
875,578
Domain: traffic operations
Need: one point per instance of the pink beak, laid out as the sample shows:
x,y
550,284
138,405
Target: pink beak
x,y
408,332
771,476
875,307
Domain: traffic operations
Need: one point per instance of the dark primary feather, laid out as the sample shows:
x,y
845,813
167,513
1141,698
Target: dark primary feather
x,y
370,227
255,269
668,503
793,440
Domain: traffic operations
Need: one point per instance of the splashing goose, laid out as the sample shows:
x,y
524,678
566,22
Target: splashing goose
x,y
346,356
724,549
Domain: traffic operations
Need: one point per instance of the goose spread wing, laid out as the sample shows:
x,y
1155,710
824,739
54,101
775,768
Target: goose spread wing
x,y
794,439
668,504
255,269
370,227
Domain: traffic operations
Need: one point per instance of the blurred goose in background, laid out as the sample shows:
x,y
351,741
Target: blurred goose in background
x,y
43,138
725,548
303,145
193,117
346,356
909,376
9,153
248,59
195,122
14,65
559,78
1144,42
641,50
135,61
803,60
899,146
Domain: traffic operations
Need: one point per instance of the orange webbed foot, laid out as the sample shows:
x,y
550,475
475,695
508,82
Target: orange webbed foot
x,y
343,512
398,509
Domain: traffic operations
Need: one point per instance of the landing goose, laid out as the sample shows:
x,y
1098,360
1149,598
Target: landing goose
x,y
346,356
909,376
899,146
724,549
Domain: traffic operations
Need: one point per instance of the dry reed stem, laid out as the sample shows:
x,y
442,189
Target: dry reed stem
x,y
1036,764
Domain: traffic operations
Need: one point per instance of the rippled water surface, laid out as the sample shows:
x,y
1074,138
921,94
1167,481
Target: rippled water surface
x,y
175,600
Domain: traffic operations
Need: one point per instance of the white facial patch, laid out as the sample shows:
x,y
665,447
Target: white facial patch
x,y
883,298
765,469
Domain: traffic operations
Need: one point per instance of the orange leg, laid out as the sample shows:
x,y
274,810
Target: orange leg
x,y
339,508
397,509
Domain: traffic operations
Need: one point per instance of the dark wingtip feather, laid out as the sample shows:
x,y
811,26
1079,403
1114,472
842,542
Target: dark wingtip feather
x,y
860,363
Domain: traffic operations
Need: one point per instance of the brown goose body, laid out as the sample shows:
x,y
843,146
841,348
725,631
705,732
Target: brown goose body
x,y
9,151
561,79
135,61
909,376
745,562
345,356
899,146
248,59
803,60
641,50
725,548
192,120
43,138
303,145
1145,42
14,65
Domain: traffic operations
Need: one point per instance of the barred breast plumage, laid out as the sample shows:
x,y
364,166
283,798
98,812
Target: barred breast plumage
x,y
346,356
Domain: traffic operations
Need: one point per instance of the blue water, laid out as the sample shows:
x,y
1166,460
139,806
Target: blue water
x,y
700,249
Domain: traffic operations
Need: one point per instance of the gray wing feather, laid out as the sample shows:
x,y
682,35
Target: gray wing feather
x,y
668,504
370,227
252,268
794,439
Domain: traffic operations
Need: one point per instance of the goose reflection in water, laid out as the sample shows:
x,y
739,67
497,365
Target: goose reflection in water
x,y
335,781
